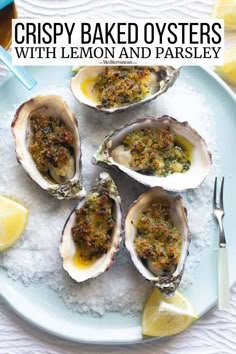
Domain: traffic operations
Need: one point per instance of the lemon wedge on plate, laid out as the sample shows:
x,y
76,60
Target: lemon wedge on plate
x,y
13,221
226,10
228,70
165,316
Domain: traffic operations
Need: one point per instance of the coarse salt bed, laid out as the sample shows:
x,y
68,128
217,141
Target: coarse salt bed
x,y
121,288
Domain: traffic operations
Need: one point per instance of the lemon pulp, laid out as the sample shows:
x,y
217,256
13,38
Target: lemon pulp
x,y
13,220
226,9
228,70
165,316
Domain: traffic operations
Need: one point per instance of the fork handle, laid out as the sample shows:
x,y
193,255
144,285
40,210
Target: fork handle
x,y
223,279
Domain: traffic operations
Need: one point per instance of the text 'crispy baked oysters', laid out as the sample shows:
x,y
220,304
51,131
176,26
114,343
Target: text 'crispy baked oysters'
x,y
48,145
111,88
157,237
92,233
159,152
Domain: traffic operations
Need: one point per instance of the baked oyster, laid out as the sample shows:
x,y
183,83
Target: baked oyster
x,y
92,233
157,152
48,145
116,88
157,238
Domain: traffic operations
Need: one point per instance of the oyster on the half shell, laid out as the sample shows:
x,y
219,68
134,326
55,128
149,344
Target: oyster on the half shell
x,y
159,152
169,246
111,89
92,234
48,145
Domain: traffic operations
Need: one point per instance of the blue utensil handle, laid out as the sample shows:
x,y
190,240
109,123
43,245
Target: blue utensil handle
x,y
18,71
5,3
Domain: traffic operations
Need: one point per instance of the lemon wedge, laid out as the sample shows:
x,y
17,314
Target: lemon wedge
x,y
165,316
13,221
226,9
228,70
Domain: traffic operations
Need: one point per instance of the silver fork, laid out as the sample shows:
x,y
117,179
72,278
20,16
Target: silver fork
x,y
223,270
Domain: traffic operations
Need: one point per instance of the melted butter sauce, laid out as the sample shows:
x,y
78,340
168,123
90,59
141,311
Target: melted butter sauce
x,y
87,89
81,263
185,145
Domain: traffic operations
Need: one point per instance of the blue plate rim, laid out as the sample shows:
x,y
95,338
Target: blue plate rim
x,y
27,318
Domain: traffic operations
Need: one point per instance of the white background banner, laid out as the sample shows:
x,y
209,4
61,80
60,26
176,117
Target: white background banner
x,y
94,42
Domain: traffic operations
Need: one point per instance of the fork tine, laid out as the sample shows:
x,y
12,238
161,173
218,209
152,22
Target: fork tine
x,y
222,194
214,195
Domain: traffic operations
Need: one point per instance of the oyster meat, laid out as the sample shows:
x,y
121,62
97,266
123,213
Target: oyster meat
x,y
112,88
92,233
157,152
48,145
157,238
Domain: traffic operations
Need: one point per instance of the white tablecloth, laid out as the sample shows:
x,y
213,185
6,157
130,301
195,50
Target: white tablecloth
x,y
214,333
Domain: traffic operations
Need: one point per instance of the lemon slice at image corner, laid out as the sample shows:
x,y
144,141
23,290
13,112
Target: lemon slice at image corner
x,y
228,71
166,316
226,10
13,221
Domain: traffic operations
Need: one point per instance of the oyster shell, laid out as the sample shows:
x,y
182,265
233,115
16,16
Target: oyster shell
x,y
79,271
82,86
62,183
167,283
113,153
